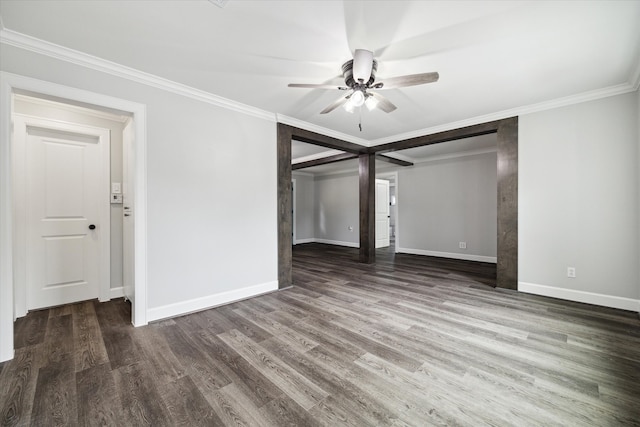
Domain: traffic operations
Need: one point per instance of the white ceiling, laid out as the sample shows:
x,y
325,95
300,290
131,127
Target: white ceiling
x,y
492,56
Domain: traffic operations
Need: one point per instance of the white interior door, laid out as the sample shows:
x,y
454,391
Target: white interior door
x,y
67,213
128,253
382,213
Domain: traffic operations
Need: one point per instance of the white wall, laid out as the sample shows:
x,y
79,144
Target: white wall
x,y
337,208
444,202
48,110
211,188
304,209
578,202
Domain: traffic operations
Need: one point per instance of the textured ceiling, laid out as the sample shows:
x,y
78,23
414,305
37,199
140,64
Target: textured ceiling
x,y
491,56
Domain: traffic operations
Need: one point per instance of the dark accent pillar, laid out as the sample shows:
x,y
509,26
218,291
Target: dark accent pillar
x,y
285,204
367,170
507,250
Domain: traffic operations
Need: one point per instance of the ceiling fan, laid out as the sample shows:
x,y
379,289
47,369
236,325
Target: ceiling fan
x,y
359,78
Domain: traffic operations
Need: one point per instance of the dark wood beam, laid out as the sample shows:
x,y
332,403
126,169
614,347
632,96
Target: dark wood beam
x,y
367,171
307,136
388,159
285,205
324,161
507,244
436,138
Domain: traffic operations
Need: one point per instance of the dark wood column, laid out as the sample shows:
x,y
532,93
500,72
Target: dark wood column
x,y
367,170
507,268
285,205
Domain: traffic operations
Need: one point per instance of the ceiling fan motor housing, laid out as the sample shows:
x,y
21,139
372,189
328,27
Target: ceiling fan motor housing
x,y
347,72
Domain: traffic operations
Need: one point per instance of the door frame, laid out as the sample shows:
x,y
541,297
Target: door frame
x,y
293,211
392,177
388,184
10,83
20,203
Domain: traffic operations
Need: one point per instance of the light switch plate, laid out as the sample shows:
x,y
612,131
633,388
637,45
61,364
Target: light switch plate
x,y
116,198
116,188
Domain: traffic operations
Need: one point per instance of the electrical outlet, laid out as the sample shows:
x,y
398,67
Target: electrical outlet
x,y
571,272
462,245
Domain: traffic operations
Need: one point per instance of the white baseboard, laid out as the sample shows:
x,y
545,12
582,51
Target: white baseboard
x,y
581,296
338,243
117,292
328,242
301,241
466,257
198,304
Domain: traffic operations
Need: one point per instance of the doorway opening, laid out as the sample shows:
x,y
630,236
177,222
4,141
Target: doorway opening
x,y
15,85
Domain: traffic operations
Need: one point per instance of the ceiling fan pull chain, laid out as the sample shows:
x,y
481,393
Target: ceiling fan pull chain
x,y
360,113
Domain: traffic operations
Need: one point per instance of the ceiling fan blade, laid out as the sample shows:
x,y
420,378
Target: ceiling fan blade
x,y
317,86
383,103
362,65
340,101
409,80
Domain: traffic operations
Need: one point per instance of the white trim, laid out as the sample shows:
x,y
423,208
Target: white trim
x,y
302,173
293,210
452,255
281,118
32,44
580,296
338,243
301,241
72,108
518,111
210,301
117,292
393,182
10,82
6,225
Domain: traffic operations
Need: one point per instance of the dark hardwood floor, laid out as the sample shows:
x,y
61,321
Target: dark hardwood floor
x,y
410,340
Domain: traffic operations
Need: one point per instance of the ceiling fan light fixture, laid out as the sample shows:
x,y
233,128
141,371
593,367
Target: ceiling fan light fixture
x,y
357,99
371,103
348,106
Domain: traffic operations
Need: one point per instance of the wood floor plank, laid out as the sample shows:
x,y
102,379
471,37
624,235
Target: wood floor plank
x,y
98,401
196,363
187,405
157,354
18,385
55,401
140,397
251,381
301,389
30,330
89,348
58,340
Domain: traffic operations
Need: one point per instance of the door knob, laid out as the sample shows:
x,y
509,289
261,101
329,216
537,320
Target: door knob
x,y
92,227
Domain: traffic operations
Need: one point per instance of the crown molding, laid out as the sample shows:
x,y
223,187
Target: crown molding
x,y
22,41
281,118
518,111
32,44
